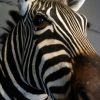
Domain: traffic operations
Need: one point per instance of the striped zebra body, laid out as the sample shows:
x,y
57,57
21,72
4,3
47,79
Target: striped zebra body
x,y
40,56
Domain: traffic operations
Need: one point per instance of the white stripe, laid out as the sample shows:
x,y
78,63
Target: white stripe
x,y
62,21
2,71
48,56
56,68
3,93
49,27
60,82
14,55
28,66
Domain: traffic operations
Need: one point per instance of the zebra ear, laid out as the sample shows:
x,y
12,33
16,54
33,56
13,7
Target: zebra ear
x,y
75,4
23,5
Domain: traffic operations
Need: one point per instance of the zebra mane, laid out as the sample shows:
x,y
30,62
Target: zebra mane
x,y
10,25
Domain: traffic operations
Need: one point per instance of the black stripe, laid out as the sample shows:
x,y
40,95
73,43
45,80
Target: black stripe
x,y
58,74
51,62
48,49
60,89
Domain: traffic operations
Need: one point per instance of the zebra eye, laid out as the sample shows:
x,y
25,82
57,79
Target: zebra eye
x,y
40,22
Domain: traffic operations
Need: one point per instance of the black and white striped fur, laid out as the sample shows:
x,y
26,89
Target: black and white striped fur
x,y
38,57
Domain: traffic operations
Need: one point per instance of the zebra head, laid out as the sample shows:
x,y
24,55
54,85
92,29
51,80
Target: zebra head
x,y
60,43
50,46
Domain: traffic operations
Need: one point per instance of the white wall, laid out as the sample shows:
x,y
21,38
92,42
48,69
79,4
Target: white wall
x,y
90,9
